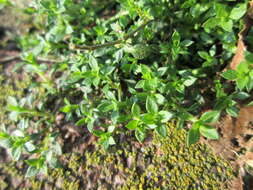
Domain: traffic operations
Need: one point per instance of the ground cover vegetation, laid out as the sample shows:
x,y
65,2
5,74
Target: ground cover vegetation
x,y
125,67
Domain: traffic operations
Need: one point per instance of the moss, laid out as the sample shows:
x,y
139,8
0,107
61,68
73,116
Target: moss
x,y
70,184
179,167
3,185
36,184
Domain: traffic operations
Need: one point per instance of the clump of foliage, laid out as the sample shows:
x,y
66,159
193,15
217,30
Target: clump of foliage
x,y
126,65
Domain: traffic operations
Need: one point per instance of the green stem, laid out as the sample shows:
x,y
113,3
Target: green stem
x,y
109,44
19,57
119,93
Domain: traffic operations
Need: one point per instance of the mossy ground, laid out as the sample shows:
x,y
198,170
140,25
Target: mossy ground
x,y
164,163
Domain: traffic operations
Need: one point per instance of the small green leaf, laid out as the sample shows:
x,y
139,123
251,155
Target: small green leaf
x,y
241,95
44,169
111,141
23,124
187,43
151,105
18,133
132,125
54,163
104,142
250,104
148,118
152,126
209,132
81,122
107,70
108,93
175,38
66,101
56,148
249,85
16,153
12,101
189,80
210,116
193,135
4,135
242,82
140,84
220,10
248,56
90,125
118,55
18,109
161,130
146,71
185,115
111,128
222,102
66,109
49,155
136,110
6,143
233,111
203,55
140,51
29,146
242,68
229,74
106,106
227,25
238,11
115,116
35,162
159,99
93,63
140,135
165,116
98,133
180,124
150,84
31,171
211,23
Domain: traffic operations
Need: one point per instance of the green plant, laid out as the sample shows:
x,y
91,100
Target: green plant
x,y
4,3
41,146
201,127
243,74
149,63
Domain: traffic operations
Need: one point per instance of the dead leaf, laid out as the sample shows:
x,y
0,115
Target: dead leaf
x,y
241,47
236,184
235,137
245,116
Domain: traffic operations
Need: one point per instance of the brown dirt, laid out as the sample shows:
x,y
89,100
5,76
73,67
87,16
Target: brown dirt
x,y
236,145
